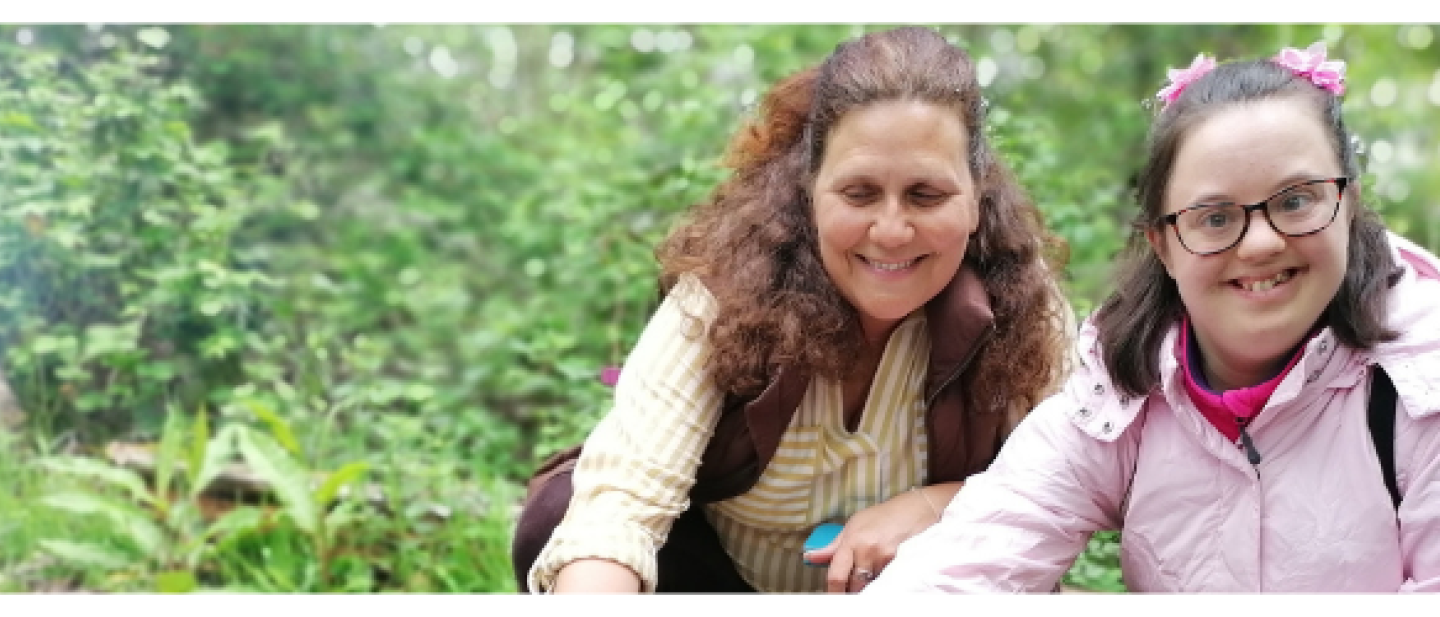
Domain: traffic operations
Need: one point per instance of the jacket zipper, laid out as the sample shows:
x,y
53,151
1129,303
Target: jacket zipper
x,y
1253,456
1248,445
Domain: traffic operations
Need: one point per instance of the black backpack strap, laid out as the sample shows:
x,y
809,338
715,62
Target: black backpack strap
x,y
1382,427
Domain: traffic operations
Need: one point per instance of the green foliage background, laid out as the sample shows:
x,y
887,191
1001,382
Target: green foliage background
x,y
419,244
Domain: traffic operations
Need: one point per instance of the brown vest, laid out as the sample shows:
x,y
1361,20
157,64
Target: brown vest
x,y
961,442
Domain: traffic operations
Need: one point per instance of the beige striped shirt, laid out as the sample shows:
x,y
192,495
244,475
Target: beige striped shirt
x,y
639,462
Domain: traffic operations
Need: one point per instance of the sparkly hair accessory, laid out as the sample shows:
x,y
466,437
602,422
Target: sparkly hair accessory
x,y
1311,64
1180,78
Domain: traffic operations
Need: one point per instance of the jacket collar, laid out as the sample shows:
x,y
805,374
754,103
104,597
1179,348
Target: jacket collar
x,y
957,320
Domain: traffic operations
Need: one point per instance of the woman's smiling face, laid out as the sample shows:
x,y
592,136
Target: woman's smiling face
x,y
894,205
1252,304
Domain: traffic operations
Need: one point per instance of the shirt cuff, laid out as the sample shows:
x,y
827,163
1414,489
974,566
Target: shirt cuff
x,y
630,547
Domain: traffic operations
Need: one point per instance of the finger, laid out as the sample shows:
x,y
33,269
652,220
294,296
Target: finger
x,y
822,556
860,577
862,572
857,584
869,560
880,559
837,579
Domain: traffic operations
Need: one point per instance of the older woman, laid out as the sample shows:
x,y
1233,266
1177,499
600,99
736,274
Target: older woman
x,y
852,325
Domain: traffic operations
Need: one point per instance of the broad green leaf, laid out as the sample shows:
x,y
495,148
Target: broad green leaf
x,y
279,429
48,344
86,555
176,581
94,469
211,307
217,454
285,476
18,120
154,37
103,339
84,504
170,451
148,536
195,455
337,480
235,521
126,519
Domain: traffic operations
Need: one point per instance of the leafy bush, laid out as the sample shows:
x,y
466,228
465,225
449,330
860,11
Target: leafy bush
x,y
121,287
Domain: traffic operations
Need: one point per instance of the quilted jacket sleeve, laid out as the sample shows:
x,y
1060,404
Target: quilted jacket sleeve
x,y
1018,526
1420,509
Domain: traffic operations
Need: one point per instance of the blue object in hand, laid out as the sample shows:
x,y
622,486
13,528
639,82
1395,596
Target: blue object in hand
x,y
820,538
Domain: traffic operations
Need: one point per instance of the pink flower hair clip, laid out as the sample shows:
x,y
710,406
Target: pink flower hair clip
x,y
1311,64
1180,78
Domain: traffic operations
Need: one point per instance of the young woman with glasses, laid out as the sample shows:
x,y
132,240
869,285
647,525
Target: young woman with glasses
x,y
1223,416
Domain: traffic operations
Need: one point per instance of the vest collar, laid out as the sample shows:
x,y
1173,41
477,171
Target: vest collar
x,y
957,320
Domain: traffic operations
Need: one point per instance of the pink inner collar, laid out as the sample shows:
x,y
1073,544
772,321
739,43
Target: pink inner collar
x,y
1231,409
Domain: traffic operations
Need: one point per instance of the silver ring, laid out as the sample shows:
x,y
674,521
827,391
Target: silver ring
x,y
863,574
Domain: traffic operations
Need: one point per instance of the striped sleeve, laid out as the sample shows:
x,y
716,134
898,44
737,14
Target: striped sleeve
x,y
634,475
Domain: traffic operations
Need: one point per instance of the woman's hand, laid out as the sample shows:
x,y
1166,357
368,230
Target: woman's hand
x,y
870,538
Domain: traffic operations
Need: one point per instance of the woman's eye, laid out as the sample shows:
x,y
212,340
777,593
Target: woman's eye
x,y
1296,201
1211,218
927,197
1215,219
858,195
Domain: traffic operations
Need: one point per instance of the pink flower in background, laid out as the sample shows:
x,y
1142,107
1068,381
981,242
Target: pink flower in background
x,y
610,375
1179,78
1310,63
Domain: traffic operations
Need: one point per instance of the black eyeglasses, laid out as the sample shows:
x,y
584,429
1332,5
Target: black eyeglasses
x,y
1299,210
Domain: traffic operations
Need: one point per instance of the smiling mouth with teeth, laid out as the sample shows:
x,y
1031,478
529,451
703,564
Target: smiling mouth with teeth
x,y
1266,284
890,267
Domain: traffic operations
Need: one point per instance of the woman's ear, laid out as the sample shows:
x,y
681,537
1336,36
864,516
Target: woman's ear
x,y
1155,237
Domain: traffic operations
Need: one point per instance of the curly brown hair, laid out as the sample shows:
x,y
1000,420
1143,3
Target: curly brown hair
x,y
754,242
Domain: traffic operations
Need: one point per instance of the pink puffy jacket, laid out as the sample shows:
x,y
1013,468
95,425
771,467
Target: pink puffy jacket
x,y
1313,516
